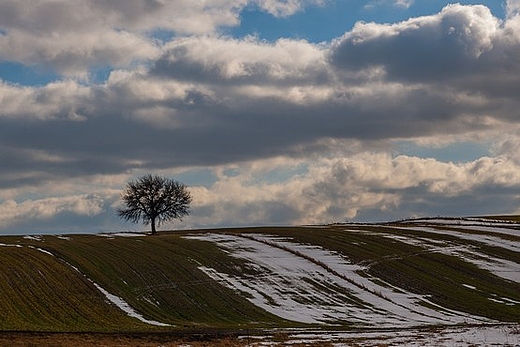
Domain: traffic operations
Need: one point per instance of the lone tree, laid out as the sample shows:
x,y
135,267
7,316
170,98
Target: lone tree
x,y
154,199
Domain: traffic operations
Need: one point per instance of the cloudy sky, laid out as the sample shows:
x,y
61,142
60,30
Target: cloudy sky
x,y
273,112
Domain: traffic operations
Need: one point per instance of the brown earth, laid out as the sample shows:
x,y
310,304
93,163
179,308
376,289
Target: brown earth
x,y
42,339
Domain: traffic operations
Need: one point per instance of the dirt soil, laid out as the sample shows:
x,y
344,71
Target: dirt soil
x,y
37,339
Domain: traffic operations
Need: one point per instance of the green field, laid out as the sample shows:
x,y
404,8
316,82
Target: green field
x,y
51,283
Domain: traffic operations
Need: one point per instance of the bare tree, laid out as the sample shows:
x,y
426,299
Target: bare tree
x,y
154,199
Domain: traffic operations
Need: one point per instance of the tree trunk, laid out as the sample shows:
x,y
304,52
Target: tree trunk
x,y
153,227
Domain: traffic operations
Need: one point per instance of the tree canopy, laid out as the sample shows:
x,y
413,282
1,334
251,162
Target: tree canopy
x,y
154,199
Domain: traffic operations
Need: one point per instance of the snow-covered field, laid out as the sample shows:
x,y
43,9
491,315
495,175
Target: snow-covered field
x,y
473,233
307,283
465,336
313,285
310,284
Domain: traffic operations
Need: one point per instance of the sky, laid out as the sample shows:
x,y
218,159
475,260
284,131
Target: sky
x,y
272,112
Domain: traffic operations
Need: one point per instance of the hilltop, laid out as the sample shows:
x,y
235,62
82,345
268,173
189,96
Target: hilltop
x,y
412,274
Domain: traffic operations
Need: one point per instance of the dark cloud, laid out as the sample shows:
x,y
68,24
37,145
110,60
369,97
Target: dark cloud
x,y
212,102
215,100
228,62
425,49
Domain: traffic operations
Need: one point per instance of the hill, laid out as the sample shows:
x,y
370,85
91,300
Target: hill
x,y
407,274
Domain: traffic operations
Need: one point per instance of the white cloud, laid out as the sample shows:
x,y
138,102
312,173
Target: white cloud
x,y
397,3
58,100
512,8
72,53
321,119
68,36
285,190
71,37
192,17
332,190
248,60
12,211
420,48
284,8
404,3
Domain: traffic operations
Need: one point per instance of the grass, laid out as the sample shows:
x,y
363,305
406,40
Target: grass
x,y
39,293
160,278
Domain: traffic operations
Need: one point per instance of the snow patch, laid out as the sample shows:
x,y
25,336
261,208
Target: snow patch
x,y
33,237
458,336
469,252
122,234
123,305
309,284
119,302
44,251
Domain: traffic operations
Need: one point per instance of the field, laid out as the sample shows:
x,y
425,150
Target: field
x,y
414,282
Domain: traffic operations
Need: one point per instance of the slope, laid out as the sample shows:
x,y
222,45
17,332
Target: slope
x,y
412,273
